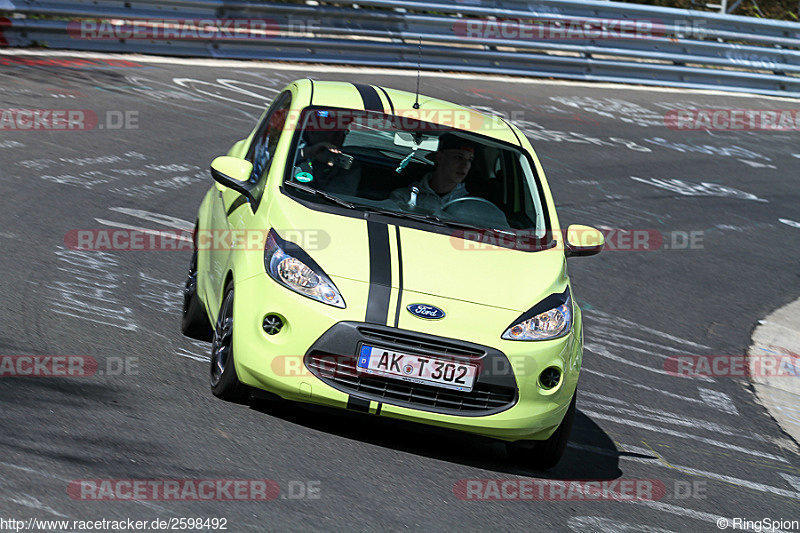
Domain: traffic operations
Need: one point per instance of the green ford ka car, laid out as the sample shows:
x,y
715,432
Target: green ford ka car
x,y
375,250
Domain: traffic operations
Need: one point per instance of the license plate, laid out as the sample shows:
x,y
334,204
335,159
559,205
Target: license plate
x,y
417,368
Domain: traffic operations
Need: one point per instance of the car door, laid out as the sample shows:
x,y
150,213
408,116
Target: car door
x,y
232,211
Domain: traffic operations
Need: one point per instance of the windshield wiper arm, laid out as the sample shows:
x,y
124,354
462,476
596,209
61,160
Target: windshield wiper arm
x,y
433,219
321,194
412,216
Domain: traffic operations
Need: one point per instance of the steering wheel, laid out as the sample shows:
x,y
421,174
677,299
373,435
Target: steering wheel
x,y
468,198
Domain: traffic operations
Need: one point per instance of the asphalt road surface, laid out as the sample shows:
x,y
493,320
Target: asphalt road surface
x,y
724,207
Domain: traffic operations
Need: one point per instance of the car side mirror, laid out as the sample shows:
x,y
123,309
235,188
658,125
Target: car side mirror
x,y
582,241
233,173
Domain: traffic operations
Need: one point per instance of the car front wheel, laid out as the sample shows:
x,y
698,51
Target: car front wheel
x,y
225,383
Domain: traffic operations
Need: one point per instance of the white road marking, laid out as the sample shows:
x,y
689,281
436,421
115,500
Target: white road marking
x,y
187,84
158,218
607,332
603,352
658,461
718,400
66,480
794,481
93,280
691,513
607,318
680,434
582,524
702,189
657,415
789,222
189,355
637,385
27,500
161,294
756,164
143,230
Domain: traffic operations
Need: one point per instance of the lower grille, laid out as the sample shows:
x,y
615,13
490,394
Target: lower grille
x,y
341,373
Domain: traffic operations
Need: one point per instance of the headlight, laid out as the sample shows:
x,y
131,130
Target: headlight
x,y
549,319
292,267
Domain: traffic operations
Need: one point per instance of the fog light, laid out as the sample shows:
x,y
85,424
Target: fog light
x,y
272,324
550,378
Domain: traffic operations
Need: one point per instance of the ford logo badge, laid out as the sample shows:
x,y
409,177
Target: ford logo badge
x,y
429,312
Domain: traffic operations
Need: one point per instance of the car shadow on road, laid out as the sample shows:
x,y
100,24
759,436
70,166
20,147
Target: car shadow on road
x,y
591,454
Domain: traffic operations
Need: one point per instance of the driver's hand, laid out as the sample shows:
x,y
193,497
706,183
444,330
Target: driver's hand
x,y
321,152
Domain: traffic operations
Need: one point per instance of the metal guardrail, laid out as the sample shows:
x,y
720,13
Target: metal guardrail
x,y
691,49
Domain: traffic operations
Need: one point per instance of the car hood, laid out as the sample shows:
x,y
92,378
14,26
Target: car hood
x,y
426,262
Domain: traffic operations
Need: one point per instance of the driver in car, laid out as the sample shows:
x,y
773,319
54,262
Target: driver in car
x,y
453,160
321,163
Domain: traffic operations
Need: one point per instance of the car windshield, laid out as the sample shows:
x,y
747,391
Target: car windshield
x,y
416,170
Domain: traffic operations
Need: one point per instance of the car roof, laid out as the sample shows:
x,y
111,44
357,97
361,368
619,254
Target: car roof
x,y
396,102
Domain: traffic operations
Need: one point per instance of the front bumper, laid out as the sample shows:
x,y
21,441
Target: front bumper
x,y
507,402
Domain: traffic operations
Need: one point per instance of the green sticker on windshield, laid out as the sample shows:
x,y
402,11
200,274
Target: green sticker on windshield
x,y
304,177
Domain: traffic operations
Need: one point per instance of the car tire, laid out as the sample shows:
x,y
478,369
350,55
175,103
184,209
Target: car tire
x,y
194,323
544,454
224,382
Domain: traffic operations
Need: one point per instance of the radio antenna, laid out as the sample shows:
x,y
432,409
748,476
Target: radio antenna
x,y
419,66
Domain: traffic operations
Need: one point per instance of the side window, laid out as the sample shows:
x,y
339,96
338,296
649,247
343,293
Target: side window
x,y
262,147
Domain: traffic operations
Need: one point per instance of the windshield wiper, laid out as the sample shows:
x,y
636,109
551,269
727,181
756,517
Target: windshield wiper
x,y
321,194
431,219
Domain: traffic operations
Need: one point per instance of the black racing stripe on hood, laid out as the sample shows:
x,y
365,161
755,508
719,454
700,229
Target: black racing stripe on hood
x,y
372,101
391,104
399,277
380,273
